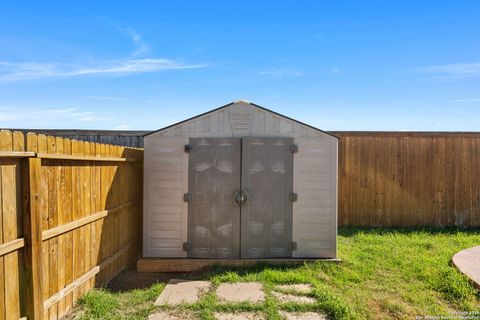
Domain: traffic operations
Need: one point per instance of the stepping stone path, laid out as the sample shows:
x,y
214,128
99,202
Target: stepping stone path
x,y
302,315
239,316
241,292
180,291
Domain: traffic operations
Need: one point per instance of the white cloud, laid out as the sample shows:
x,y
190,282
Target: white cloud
x,y
141,46
466,100
280,73
29,71
17,71
454,70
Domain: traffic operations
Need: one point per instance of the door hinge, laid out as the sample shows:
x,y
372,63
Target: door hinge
x,y
293,196
188,148
293,148
292,246
187,197
186,246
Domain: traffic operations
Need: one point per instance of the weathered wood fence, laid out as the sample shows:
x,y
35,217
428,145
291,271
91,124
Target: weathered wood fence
x,y
70,219
409,179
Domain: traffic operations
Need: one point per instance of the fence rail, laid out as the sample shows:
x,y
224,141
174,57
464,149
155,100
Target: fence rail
x,y
70,219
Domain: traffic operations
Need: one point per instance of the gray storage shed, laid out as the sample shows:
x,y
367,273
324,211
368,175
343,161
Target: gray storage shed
x,y
240,182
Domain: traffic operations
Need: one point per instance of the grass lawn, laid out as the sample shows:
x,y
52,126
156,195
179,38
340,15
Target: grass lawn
x,y
386,273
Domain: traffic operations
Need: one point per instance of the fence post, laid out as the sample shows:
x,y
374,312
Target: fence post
x,y
32,225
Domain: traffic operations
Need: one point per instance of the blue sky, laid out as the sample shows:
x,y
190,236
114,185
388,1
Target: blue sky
x,y
338,65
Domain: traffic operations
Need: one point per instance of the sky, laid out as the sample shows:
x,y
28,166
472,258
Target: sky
x,y
337,65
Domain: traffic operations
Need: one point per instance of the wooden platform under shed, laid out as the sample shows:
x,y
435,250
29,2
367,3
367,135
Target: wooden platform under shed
x,y
190,264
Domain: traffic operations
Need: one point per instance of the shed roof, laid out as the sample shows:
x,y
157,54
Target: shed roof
x,y
245,102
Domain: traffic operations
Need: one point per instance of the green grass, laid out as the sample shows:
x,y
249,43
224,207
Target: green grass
x,y
385,274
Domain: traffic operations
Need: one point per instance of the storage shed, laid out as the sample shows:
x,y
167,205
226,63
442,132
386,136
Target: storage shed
x,y
240,182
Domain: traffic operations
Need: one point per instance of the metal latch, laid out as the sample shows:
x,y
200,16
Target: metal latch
x,y
292,246
293,148
187,197
293,197
186,246
188,148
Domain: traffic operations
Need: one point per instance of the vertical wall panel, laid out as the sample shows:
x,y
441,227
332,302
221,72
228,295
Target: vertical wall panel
x,y
165,182
315,182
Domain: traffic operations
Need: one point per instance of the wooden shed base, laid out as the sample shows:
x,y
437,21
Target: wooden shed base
x,y
189,264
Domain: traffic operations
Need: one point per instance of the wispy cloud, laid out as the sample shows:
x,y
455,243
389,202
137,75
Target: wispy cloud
x,y
466,100
141,46
454,70
52,115
17,71
27,71
280,73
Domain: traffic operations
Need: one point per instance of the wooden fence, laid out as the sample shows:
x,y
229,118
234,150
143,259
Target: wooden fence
x,y
409,179
70,219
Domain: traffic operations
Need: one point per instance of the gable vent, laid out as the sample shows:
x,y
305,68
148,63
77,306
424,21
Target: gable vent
x,y
241,118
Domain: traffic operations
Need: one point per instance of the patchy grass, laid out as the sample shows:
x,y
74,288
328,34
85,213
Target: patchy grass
x,y
103,304
386,273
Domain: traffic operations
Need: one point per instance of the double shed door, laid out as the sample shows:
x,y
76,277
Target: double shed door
x,y
240,202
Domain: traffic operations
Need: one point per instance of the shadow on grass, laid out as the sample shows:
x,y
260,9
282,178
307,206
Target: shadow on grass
x,y
131,279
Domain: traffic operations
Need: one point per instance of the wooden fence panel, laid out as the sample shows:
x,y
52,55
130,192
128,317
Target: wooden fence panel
x,y
409,179
78,206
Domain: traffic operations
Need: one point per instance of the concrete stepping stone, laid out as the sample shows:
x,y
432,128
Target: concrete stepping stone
x,y
285,297
241,292
239,316
172,315
182,291
468,262
302,315
296,288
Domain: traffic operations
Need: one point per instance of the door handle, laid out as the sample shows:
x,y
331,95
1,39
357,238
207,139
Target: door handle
x,y
237,197
240,197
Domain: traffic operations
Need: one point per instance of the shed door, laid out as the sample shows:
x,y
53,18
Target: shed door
x,y
267,177
213,215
